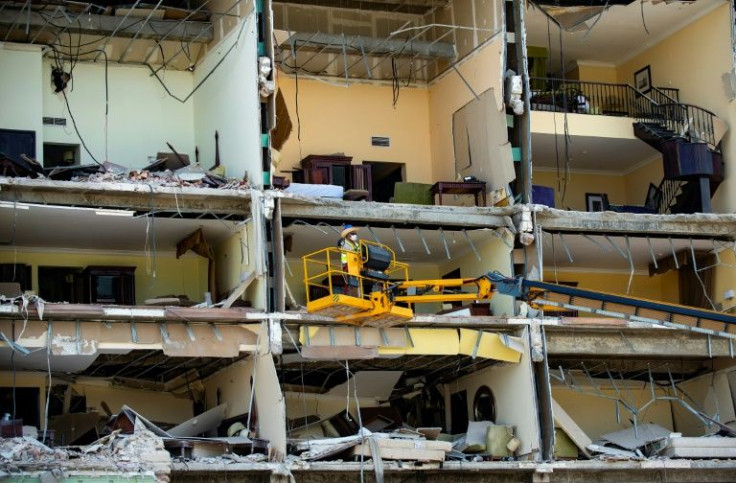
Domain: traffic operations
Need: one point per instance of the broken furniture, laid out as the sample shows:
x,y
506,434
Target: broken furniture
x,y
355,179
460,188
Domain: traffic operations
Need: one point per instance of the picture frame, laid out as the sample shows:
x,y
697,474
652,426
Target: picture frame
x,y
643,80
594,201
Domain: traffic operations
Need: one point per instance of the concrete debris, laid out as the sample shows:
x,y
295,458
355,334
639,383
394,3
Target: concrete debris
x,y
166,178
25,449
142,451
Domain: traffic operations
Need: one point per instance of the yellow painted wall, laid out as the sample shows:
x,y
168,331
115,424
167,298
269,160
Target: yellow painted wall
x,y
597,415
694,60
234,386
187,275
495,256
725,278
512,386
449,93
342,120
578,184
233,257
636,183
597,73
661,287
158,406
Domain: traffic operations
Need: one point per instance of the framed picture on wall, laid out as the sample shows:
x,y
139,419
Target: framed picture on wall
x,y
643,80
594,202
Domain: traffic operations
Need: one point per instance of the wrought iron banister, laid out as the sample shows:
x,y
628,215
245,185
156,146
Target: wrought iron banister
x,y
659,106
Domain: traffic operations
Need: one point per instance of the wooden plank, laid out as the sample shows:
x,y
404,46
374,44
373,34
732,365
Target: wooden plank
x,y
239,290
571,428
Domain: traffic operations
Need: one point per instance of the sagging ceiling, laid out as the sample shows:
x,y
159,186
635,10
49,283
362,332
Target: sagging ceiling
x,y
610,37
408,41
167,33
614,252
310,237
98,229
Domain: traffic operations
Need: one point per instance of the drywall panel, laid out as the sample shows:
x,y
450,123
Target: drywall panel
x,y
141,117
271,405
596,415
341,119
158,406
184,276
21,83
512,386
227,102
481,145
709,393
482,70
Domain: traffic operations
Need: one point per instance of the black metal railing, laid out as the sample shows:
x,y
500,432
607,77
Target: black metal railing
x,y
668,190
582,97
658,106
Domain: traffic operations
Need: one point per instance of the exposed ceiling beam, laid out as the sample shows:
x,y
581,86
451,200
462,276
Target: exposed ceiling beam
x,y
413,7
93,24
356,45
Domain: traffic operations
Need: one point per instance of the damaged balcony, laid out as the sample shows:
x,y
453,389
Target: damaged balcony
x,y
125,92
614,108
387,101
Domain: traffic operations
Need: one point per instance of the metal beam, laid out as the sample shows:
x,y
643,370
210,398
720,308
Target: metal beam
x,y
183,31
374,46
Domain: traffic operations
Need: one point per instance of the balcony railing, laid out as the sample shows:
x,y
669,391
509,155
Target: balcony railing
x,y
660,106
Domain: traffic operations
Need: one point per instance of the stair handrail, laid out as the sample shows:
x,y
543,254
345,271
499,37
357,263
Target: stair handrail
x,y
671,100
695,123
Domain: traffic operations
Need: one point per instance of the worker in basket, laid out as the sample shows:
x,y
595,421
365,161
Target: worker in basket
x,y
349,244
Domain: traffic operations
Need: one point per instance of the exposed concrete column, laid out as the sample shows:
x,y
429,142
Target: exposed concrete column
x,y
523,121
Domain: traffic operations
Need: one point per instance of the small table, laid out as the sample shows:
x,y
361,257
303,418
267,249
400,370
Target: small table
x,y
460,188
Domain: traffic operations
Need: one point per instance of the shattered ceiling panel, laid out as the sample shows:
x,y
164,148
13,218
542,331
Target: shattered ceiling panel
x,y
171,33
408,41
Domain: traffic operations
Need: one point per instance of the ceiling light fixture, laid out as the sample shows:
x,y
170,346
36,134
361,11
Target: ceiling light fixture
x,y
114,213
13,206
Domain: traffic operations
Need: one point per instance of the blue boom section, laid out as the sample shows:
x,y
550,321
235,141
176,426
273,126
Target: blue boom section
x,y
519,286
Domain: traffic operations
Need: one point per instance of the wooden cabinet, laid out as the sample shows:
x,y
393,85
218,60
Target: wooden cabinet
x,y
109,285
336,170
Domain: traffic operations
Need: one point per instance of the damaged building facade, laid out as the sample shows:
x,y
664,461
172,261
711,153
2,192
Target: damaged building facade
x,y
543,283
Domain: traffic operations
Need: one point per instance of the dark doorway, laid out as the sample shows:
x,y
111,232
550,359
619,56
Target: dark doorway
x,y
26,404
61,284
459,412
60,155
384,177
13,143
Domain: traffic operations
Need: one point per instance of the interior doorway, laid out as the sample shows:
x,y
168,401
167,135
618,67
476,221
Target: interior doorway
x,y
384,176
61,284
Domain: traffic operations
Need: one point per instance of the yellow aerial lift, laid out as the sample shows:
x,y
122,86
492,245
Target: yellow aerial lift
x,y
373,288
